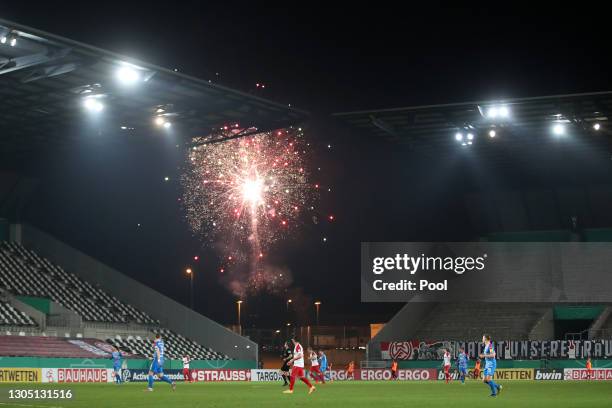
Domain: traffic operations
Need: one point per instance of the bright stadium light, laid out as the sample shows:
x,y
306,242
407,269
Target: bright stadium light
x,y
558,129
596,126
492,133
470,136
459,136
128,75
167,125
13,41
3,39
495,112
93,105
159,121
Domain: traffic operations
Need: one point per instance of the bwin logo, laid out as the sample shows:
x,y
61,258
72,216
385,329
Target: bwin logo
x,y
544,375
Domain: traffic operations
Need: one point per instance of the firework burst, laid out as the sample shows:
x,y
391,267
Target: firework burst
x,y
246,193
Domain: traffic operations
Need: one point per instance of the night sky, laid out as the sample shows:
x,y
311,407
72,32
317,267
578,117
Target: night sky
x,y
323,60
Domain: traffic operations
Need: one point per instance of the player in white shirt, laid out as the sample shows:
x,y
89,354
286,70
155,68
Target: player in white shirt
x,y
297,371
186,373
315,369
447,365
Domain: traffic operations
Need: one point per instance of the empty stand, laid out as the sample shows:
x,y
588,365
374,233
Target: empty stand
x,y
176,345
9,316
465,321
36,346
23,272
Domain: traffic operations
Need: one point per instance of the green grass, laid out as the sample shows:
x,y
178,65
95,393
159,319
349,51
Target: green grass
x,y
521,394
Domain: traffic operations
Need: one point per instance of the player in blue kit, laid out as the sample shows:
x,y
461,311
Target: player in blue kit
x,y
116,357
157,366
490,364
323,363
462,364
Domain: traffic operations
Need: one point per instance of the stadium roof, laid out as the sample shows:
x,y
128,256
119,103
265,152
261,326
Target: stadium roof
x,y
45,78
522,122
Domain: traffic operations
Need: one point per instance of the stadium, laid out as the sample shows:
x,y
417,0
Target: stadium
x,y
165,227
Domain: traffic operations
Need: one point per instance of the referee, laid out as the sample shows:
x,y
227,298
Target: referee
x,y
286,357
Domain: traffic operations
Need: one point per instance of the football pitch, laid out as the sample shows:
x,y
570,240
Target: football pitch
x,y
338,394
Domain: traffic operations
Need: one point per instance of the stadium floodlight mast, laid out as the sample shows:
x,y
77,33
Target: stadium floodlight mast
x,y
317,307
288,303
239,303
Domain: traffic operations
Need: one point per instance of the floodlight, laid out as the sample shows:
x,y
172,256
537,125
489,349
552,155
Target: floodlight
x,y
93,105
128,75
558,129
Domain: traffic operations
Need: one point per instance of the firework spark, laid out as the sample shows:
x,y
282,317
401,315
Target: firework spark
x,y
244,194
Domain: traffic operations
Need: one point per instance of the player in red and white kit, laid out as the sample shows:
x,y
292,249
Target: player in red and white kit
x,y
297,370
447,365
315,369
186,373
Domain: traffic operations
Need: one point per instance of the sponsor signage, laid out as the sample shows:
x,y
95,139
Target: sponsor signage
x,y
20,375
380,374
506,350
548,374
266,375
88,347
77,375
220,375
500,374
581,374
514,374
143,375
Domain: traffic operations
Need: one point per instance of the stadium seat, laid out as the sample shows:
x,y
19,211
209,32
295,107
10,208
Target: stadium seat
x,y
25,273
9,316
464,321
176,346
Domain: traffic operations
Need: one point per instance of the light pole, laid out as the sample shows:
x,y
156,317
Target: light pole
x,y
239,303
189,273
317,306
288,302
